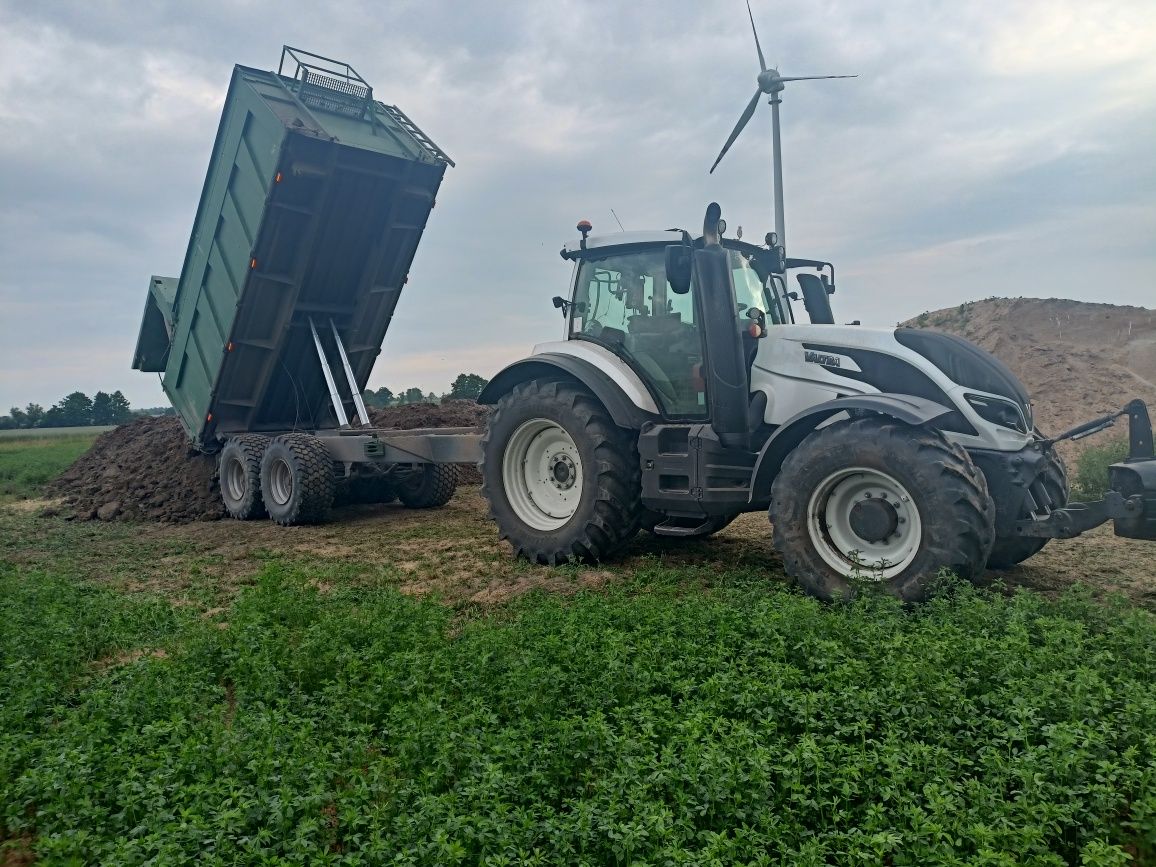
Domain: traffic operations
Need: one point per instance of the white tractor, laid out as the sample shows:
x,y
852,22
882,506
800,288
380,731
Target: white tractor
x,y
685,392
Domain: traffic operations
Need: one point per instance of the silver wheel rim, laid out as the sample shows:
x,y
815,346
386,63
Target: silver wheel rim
x,y
281,481
542,474
236,479
831,525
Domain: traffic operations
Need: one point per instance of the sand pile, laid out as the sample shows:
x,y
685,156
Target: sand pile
x,y
146,469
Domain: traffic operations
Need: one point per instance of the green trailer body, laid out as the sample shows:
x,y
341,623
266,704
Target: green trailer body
x,y
314,203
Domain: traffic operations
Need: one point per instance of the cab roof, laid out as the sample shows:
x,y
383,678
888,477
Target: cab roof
x,y
605,244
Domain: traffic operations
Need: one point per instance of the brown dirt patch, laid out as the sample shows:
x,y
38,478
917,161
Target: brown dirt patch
x,y
17,852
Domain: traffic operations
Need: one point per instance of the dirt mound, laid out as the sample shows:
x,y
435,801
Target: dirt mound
x,y
449,413
1077,359
146,469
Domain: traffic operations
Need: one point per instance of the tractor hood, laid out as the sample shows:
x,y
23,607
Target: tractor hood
x,y
834,360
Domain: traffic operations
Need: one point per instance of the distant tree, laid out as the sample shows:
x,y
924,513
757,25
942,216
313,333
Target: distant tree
x,y
7,422
74,410
102,408
121,409
467,386
34,412
412,395
382,397
19,417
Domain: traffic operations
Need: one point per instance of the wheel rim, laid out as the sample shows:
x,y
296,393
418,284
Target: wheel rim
x,y
542,474
236,480
280,481
864,521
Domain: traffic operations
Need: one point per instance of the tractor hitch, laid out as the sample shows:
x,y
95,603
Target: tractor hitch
x,y
1131,501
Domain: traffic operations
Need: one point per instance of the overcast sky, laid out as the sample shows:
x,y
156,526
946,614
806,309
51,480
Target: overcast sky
x,y
986,149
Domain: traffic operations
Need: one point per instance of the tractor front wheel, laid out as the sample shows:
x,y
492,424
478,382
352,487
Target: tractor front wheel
x,y
873,500
563,481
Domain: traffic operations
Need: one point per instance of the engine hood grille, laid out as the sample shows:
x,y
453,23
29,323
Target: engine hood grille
x,y
966,364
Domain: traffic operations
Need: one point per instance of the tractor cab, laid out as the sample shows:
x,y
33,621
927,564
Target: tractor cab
x,y
633,294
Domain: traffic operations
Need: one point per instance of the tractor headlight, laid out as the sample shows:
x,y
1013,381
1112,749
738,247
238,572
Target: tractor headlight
x,y
998,411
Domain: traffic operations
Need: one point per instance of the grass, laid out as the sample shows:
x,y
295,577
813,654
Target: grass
x,y
49,432
686,713
1091,477
641,725
33,458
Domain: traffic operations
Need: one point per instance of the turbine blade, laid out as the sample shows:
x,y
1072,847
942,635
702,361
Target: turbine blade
x,y
815,77
759,48
747,112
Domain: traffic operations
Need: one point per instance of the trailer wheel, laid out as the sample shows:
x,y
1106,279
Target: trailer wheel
x,y
875,500
239,473
297,480
563,482
1050,490
430,486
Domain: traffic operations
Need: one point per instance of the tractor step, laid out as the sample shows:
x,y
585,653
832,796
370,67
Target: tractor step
x,y
683,527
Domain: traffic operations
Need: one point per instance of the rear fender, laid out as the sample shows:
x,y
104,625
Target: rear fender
x,y
551,365
906,408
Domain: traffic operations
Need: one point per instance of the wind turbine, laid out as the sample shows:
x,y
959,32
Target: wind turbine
x,y
772,84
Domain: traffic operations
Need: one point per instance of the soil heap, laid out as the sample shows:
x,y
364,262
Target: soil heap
x,y
1078,360
146,469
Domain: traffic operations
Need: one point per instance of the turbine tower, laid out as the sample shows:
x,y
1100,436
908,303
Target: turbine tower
x,y
771,84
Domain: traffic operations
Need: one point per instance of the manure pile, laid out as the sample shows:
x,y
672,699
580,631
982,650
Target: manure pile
x,y
147,471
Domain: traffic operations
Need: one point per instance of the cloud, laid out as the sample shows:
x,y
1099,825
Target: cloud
x,y
984,149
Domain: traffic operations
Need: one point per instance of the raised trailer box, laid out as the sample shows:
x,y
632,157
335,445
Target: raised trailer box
x,y
313,205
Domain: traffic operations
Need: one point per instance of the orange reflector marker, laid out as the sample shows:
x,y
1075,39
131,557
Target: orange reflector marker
x,y
209,417
252,264
754,330
229,346
277,178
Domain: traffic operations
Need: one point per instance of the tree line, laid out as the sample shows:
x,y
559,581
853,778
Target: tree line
x,y
80,410
467,386
74,410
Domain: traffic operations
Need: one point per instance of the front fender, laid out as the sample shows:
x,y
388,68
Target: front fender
x,y
907,408
551,365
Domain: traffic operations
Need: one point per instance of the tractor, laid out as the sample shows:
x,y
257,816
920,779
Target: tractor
x,y
685,391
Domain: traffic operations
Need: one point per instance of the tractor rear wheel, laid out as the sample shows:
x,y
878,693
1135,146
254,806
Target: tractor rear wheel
x,y
297,480
239,475
563,481
873,500
429,486
1050,491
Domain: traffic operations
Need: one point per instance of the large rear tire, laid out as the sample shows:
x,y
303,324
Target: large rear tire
x,y
297,480
429,486
563,481
1050,491
873,500
239,475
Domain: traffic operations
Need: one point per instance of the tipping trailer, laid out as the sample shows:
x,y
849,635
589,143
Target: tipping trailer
x,y
313,205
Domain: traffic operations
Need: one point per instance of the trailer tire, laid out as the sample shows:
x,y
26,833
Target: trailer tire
x,y
1010,551
239,476
905,494
297,480
565,429
430,486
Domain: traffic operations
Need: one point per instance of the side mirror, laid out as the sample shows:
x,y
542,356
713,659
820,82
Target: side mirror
x,y
816,299
679,263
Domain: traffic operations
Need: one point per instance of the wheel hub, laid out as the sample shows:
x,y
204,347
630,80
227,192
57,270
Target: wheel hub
x,y
562,472
873,519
